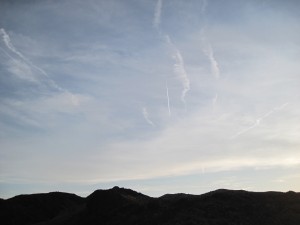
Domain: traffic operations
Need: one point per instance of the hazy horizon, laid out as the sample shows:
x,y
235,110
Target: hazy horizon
x,y
160,96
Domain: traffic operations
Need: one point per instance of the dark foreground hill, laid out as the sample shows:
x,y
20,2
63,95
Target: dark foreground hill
x,y
119,206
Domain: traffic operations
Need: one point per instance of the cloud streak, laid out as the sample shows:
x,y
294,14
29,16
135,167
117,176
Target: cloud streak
x,y
157,14
146,116
25,69
259,120
215,70
10,46
179,69
178,66
25,63
8,43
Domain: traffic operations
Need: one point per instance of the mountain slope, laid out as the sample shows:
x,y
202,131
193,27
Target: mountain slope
x,y
31,209
125,206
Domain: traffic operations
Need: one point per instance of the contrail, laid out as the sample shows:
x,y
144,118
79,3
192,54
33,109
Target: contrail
x,y
8,43
6,39
47,80
168,98
11,47
213,62
146,116
179,69
179,62
258,121
8,55
157,14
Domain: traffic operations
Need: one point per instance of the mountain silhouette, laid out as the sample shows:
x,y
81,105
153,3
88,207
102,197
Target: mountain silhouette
x,y
124,206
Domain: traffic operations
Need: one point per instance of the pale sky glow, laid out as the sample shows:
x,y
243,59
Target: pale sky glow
x,y
161,96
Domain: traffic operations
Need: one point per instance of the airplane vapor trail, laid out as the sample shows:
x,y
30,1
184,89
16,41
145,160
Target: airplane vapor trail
x,y
146,116
168,98
11,47
259,120
8,43
21,60
213,62
157,14
179,69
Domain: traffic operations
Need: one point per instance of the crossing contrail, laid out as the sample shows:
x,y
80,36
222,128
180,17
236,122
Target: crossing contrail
x,y
259,120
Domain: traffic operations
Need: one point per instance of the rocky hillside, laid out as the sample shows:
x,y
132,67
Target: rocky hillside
x,y
125,206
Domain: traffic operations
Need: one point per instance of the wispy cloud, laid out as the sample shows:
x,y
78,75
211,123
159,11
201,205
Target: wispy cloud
x,y
8,43
146,116
208,50
6,39
179,68
22,67
26,65
180,71
157,14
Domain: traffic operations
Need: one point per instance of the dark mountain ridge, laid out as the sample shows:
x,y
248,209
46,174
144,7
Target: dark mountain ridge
x,y
125,206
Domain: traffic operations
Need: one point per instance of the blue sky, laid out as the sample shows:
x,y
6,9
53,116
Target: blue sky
x,y
159,96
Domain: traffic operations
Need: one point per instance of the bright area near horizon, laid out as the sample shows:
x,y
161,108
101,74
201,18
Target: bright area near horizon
x,y
160,96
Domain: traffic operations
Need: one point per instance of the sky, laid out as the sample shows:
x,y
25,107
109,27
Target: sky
x,y
161,96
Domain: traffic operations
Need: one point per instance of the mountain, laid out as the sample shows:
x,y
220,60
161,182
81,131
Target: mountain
x,y
124,206
31,209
